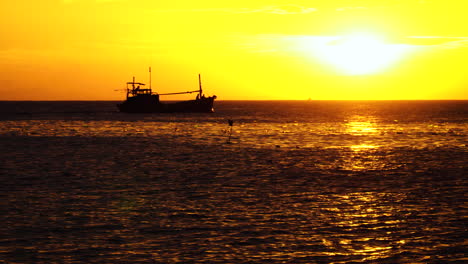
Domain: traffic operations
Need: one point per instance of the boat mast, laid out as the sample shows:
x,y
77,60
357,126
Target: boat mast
x,y
150,78
199,84
133,87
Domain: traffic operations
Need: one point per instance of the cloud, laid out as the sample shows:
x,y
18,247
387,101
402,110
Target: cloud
x,y
285,10
440,41
97,1
350,8
277,10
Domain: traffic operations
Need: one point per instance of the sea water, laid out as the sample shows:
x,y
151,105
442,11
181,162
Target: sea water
x,y
288,182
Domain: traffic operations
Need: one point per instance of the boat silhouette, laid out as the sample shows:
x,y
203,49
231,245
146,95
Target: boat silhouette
x,y
143,100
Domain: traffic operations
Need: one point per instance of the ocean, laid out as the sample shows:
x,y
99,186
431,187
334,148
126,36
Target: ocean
x,y
289,182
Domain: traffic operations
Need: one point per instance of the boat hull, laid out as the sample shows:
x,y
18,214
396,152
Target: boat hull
x,y
153,105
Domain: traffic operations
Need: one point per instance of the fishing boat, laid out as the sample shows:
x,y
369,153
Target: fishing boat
x,y
143,100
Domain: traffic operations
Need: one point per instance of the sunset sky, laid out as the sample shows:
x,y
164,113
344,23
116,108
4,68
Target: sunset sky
x,y
244,50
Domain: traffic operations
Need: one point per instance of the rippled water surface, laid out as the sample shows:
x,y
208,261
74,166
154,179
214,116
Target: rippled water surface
x,y
293,182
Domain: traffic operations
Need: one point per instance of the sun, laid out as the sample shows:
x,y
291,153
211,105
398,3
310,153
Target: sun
x,y
359,54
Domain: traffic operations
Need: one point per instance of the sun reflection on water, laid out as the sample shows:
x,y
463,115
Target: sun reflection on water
x,y
369,220
362,155
361,125
363,147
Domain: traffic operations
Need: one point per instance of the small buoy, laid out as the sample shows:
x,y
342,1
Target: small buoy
x,y
230,122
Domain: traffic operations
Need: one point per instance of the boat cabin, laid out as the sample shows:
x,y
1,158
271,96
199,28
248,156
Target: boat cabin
x,y
137,88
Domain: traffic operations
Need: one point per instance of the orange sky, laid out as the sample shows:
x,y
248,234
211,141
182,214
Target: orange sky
x,y
262,50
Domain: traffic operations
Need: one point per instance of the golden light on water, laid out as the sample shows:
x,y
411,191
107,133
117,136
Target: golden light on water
x,y
343,184
361,155
364,213
361,125
362,147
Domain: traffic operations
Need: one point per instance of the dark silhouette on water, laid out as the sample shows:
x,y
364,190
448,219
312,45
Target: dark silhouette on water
x,y
144,100
231,123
